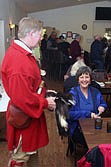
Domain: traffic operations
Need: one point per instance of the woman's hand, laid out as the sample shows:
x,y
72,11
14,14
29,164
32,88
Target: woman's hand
x,y
51,103
101,110
93,115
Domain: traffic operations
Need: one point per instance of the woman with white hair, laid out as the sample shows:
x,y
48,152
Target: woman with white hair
x,y
70,79
79,63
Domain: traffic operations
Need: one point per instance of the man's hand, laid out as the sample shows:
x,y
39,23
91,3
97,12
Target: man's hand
x,y
51,103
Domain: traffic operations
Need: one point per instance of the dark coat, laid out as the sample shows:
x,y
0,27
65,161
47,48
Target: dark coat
x,y
75,50
99,156
96,51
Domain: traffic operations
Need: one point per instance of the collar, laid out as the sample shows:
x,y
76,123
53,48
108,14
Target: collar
x,y
20,43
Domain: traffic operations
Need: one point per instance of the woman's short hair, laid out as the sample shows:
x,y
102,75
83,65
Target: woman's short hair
x,y
83,70
28,24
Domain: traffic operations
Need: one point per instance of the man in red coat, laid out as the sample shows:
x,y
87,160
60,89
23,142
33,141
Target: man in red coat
x,y
21,79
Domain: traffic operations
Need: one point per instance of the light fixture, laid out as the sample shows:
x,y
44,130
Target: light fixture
x,y
11,26
107,33
43,32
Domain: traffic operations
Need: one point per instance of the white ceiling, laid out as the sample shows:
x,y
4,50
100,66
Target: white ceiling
x,y
30,6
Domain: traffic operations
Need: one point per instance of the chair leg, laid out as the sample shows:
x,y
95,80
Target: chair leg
x,y
75,154
68,148
72,149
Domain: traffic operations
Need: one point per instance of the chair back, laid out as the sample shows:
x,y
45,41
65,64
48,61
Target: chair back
x,y
98,75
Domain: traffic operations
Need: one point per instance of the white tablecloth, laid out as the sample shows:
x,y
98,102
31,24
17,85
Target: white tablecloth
x,y
4,99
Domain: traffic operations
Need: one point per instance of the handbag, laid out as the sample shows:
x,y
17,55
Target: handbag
x,y
17,118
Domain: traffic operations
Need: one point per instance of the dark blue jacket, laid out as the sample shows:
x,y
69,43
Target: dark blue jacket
x,y
76,113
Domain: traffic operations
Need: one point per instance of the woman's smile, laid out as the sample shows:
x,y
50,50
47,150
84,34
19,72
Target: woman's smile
x,y
84,80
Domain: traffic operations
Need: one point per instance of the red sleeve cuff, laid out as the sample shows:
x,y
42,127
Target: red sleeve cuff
x,y
45,103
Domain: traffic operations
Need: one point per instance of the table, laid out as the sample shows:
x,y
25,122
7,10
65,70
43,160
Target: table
x,y
105,87
3,101
106,90
92,136
4,98
3,107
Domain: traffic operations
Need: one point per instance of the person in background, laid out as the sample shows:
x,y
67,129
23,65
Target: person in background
x,y
108,58
79,60
64,47
43,45
104,43
37,54
21,79
51,42
43,48
96,52
75,48
70,77
89,103
105,47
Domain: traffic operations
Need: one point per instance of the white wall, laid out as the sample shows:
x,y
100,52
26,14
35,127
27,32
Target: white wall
x,y
8,11
72,18
2,40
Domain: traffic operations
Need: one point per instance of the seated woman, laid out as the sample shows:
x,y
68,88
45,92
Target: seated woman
x,y
89,103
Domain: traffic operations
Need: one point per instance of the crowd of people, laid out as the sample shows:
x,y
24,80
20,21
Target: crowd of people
x,y
98,57
70,51
21,79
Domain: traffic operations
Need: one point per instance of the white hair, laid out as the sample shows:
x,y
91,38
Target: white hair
x,y
76,66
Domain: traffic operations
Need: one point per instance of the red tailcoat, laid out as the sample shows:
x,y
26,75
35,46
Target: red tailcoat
x,y
21,79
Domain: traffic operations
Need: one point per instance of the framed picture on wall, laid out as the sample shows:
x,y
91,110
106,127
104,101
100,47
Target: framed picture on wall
x,y
69,34
73,35
64,35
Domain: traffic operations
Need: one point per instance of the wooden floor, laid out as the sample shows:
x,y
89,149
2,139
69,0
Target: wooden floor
x,y
54,154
